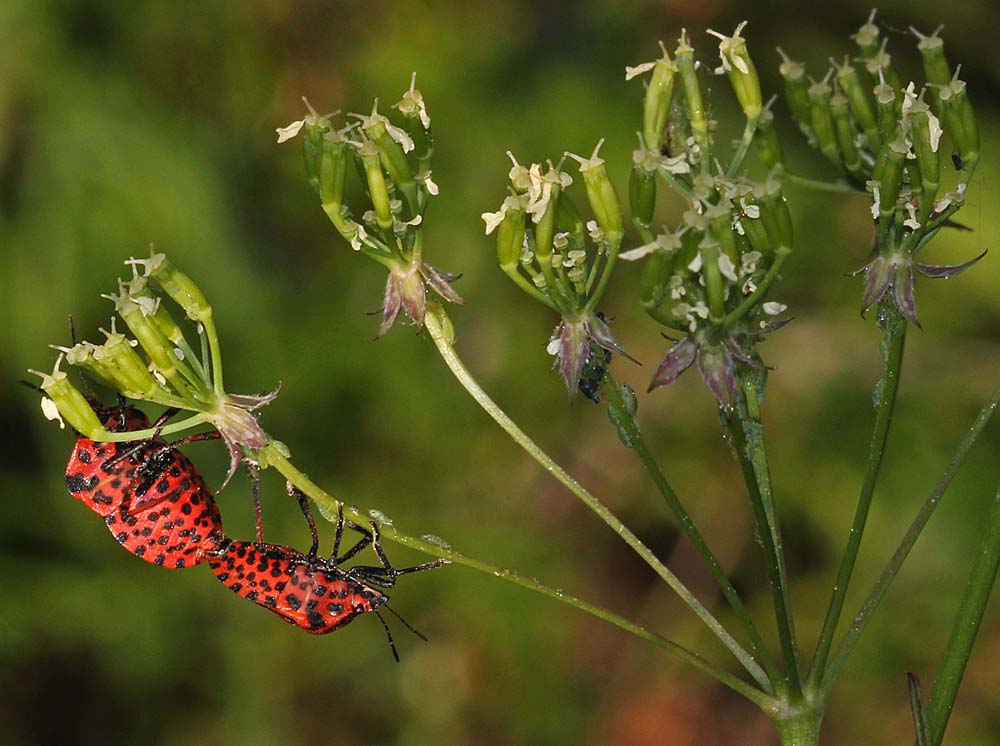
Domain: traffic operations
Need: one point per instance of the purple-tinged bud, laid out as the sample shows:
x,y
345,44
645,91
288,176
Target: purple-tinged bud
x,y
715,363
796,90
677,360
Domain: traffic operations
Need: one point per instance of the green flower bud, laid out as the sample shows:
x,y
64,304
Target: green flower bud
x,y
642,196
845,133
859,101
766,141
656,104
653,281
936,67
510,234
867,37
568,218
176,284
69,402
754,230
721,227
601,194
684,59
822,119
888,173
714,287
925,133
392,144
118,362
377,189
737,64
796,90
885,101
774,213
960,119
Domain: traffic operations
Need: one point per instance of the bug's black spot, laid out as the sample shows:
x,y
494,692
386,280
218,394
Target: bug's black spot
x,y
335,608
320,590
100,497
179,564
162,540
120,538
84,456
160,559
252,596
116,483
236,587
276,570
174,471
140,551
76,483
315,620
270,601
162,486
293,601
223,576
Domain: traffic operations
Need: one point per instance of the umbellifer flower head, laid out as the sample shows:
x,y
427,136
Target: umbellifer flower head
x,y
572,343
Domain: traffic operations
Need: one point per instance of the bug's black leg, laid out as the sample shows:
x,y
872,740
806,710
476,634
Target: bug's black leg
x,y
362,544
258,519
338,535
304,506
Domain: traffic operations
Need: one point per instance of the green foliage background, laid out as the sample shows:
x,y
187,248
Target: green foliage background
x,y
125,123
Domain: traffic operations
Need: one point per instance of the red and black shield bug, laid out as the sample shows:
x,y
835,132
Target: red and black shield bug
x,y
152,498
315,594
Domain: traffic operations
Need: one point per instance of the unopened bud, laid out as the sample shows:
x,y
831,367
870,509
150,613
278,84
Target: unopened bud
x,y
642,196
68,400
653,281
601,194
656,104
510,234
859,101
888,173
822,119
118,362
377,189
766,141
796,90
684,59
936,67
885,102
867,37
845,133
737,64
960,119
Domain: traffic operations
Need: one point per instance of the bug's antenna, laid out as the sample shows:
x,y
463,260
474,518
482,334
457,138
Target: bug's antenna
x,y
409,626
388,634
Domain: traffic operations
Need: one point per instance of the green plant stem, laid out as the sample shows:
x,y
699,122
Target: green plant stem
x,y
733,426
637,443
895,332
522,282
967,621
909,539
128,436
840,187
750,302
753,430
438,326
271,457
614,245
800,725
743,147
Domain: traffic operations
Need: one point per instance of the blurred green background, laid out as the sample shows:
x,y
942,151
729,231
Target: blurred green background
x,y
125,123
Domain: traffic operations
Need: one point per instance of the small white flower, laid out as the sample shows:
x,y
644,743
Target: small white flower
x,y
399,227
751,211
727,268
876,199
595,231
695,265
772,308
643,67
553,346
397,134
588,164
51,412
957,197
360,234
493,219
676,285
413,103
313,119
428,182
727,51
911,222
541,187
664,242
748,262
519,175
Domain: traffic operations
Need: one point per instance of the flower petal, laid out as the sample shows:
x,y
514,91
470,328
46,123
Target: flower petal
x,y
390,306
677,360
944,271
902,292
876,283
716,367
440,283
600,332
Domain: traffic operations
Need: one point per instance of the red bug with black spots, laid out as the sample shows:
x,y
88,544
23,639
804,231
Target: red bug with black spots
x,y
152,498
315,594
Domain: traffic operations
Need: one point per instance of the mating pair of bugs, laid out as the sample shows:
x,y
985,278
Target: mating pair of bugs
x,y
157,506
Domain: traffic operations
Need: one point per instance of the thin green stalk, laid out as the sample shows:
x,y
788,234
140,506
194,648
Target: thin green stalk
x,y
967,621
751,301
753,430
734,430
614,244
841,187
627,423
522,282
912,534
438,326
270,456
895,332
127,436
743,147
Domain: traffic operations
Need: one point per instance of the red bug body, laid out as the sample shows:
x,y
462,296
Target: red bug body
x,y
151,497
303,590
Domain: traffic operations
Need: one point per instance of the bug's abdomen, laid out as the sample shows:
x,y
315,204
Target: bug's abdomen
x,y
316,599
